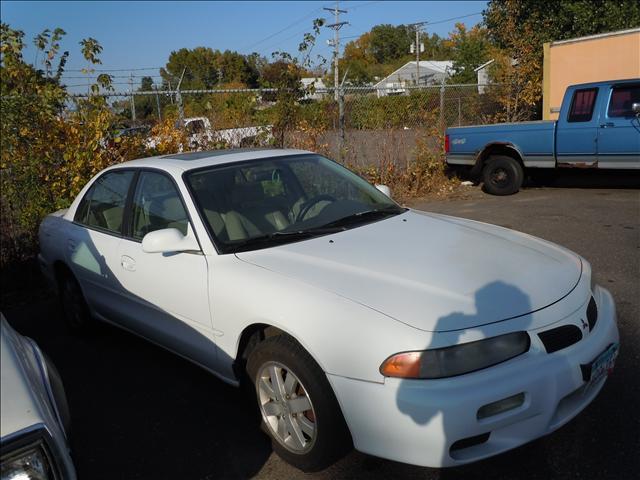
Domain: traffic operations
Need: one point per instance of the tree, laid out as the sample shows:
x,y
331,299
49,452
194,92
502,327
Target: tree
x,y
206,68
390,42
285,75
469,49
367,60
46,154
519,28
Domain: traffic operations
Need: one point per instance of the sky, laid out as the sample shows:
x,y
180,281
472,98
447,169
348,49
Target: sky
x,y
141,35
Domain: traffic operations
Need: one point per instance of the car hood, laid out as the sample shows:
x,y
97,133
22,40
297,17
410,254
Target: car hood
x,y
432,272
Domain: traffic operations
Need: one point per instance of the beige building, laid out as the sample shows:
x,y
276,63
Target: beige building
x,y
608,56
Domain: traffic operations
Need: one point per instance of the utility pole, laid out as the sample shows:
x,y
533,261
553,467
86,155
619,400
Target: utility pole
x,y
418,47
170,90
179,99
155,87
336,26
133,103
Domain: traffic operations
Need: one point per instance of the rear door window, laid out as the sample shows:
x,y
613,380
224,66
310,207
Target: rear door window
x,y
103,205
622,100
582,105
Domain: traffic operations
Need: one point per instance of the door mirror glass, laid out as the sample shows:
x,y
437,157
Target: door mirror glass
x,y
384,189
169,240
636,108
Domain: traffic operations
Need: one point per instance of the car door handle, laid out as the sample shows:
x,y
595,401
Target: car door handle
x,y
128,263
71,245
607,125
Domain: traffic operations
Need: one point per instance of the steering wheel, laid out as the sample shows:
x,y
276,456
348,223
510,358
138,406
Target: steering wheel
x,y
306,206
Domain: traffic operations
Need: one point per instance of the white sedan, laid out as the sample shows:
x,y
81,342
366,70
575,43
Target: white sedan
x,y
416,337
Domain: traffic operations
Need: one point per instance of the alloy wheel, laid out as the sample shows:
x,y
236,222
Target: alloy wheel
x,y
286,407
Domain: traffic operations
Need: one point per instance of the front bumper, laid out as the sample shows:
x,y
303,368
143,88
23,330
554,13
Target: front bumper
x,y
418,421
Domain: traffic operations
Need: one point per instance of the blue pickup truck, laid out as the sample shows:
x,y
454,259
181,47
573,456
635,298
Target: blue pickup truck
x,y
598,127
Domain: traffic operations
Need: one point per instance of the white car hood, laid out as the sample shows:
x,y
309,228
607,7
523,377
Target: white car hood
x,y
432,272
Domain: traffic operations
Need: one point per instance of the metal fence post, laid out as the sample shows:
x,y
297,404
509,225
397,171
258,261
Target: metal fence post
x,y
442,123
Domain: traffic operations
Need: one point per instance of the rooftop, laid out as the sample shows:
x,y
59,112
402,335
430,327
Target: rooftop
x,y
181,162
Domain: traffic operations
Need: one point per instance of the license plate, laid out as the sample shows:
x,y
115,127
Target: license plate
x,y
601,366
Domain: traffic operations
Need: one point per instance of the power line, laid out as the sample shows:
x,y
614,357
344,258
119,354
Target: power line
x,y
310,14
111,69
64,77
453,18
426,22
280,42
364,4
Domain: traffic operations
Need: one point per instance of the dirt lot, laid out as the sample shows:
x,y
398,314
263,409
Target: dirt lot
x,y
141,413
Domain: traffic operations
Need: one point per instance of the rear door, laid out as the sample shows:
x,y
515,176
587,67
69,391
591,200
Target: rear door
x,y
577,130
619,129
93,239
166,294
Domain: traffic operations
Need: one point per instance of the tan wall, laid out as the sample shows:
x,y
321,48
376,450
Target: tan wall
x,y
613,57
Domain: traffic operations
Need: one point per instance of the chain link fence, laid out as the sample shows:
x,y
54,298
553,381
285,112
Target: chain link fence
x,y
357,126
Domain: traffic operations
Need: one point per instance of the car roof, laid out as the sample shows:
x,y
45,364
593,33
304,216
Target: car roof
x,y
606,83
181,162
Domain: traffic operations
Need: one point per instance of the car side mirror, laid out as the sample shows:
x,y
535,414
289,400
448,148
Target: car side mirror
x,y
169,240
635,107
384,189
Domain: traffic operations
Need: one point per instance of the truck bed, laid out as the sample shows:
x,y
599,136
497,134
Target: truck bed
x,y
534,140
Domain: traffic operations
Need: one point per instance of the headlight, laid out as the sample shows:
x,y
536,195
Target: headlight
x,y
456,360
27,463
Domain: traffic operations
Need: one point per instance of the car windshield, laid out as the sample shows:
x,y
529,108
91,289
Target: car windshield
x,y
266,202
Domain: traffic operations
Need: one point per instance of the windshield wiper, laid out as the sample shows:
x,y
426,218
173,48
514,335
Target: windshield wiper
x,y
283,237
367,215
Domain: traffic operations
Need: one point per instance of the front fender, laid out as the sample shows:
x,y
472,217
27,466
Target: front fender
x,y
345,338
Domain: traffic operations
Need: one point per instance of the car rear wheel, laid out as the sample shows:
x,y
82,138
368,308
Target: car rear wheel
x,y
298,407
74,307
502,175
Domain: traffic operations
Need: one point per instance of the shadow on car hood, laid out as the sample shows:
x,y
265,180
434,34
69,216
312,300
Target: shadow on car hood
x,y
433,272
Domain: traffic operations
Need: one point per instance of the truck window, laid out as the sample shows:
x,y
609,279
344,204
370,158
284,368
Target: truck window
x,y
582,105
195,127
622,98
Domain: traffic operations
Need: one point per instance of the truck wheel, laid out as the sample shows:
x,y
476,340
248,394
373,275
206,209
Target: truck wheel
x,y
74,307
502,175
298,407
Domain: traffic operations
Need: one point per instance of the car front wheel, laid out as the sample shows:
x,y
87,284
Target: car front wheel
x,y
298,407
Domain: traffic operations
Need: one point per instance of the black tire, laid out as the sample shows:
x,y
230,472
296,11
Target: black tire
x,y
502,175
332,438
74,307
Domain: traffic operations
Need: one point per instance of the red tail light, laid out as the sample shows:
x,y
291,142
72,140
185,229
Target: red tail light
x,y
446,144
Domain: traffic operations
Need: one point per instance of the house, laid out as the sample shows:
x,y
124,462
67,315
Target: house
x,y
431,72
317,83
483,76
602,57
